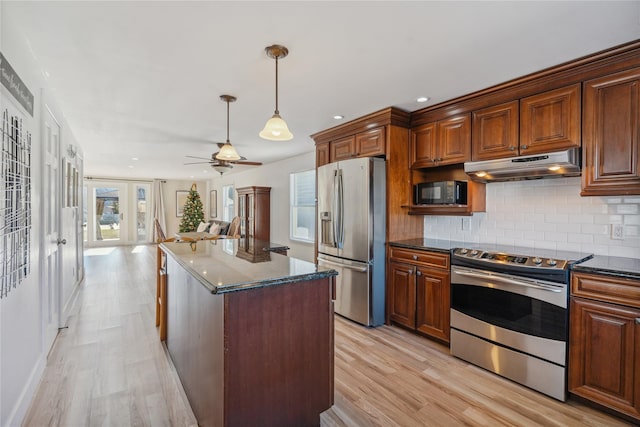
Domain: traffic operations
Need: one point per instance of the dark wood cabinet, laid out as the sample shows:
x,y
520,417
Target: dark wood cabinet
x,y
611,146
550,121
342,149
418,291
604,348
370,143
545,122
441,143
322,154
254,210
495,131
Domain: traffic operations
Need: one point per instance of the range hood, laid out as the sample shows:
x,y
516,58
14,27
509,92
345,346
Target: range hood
x,y
556,164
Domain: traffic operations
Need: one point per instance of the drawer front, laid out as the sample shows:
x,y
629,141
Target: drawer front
x,y
606,288
426,258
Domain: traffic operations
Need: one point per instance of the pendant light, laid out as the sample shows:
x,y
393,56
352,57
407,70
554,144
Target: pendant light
x,y
222,167
276,128
227,152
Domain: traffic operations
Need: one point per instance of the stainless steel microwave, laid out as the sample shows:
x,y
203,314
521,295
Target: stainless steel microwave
x,y
441,193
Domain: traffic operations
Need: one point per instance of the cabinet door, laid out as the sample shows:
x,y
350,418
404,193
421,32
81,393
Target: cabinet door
x,y
342,149
454,140
495,132
550,121
604,354
433,302
423,146
242,212
611,134
370,143
402,294
322,154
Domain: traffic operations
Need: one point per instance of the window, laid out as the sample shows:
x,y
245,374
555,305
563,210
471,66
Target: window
x,y
228,208
303,206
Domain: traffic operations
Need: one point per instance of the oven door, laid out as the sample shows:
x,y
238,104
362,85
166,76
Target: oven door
x,y
527,315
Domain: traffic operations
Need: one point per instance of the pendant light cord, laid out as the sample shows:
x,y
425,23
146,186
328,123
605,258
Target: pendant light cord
x,y
277,112
227,121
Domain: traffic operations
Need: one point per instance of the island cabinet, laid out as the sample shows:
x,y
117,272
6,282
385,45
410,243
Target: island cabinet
x,y
254,210
418,295
252,342
541,123
604,348
441,143
611,141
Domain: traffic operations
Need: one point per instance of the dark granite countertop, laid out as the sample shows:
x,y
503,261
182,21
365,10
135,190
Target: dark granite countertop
x,y
228,265
428,244
611,266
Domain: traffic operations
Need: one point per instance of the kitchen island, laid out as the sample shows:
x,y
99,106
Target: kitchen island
x,y
251,338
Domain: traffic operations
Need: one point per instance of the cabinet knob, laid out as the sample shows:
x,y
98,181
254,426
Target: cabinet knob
x,y
419,273
415,257
512,148
524,147
410,271
637,320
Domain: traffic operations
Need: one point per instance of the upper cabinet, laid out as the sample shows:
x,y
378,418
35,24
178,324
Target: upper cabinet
x,y
363,144
611,132
342,149
370,143
441,143
545,122
322,154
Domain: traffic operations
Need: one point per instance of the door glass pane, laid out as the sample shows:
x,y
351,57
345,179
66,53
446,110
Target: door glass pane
x,y
84,213
107,211
142,191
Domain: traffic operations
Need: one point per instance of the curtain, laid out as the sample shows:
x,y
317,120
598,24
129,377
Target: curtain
x,y
158,208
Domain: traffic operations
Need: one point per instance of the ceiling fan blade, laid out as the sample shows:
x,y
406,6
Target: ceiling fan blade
x,y
199,163
196,157
248,163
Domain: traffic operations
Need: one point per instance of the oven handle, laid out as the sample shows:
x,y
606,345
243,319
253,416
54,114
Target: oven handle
x,y
505,280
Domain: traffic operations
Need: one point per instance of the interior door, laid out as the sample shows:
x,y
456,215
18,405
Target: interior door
x,y
51,178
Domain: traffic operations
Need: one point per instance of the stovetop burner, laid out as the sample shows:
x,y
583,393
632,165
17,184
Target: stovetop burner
x,y
541,263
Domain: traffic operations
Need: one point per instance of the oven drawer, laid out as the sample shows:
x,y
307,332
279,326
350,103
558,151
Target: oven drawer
x,y
426,258
606,288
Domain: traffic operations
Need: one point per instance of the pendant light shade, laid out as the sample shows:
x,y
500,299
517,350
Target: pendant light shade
x,y
222,168
276,128
227,152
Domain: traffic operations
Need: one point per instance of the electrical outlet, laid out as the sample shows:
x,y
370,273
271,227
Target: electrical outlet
x,y
617,231
466,224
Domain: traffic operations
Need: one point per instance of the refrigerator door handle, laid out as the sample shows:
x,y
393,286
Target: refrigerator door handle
x,y
334,209
340,210
337,264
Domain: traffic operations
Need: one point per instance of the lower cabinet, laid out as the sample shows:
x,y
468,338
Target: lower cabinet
x,y
604,349
419,291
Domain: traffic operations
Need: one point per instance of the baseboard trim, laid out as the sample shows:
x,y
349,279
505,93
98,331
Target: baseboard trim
x,y
19,410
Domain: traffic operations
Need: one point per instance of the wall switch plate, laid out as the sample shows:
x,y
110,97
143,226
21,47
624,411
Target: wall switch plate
x,y
617,231
466,224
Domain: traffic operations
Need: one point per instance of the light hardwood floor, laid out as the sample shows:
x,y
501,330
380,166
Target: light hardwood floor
x,y
109,369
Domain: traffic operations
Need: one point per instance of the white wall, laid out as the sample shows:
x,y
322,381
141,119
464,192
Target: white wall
x,y
276,176
547,213
22,355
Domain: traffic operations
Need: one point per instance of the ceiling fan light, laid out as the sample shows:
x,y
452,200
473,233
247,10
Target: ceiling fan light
x,y
222,168
227,152
276,129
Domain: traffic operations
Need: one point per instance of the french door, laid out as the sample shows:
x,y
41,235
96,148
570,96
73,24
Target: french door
x,y
116,213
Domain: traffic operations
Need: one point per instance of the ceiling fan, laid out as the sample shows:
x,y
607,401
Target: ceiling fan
x,y
224,159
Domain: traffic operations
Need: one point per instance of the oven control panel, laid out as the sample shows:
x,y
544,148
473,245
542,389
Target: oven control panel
x,y
509,259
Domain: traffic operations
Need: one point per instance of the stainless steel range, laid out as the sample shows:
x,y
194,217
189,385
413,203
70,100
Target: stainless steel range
x,y
509,313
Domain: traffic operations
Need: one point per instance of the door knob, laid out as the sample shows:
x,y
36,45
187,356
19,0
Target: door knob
x,y
62,241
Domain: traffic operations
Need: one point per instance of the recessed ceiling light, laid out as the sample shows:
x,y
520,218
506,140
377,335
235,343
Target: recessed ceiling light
x,y
422,99
130,166
338,117
191,176
205,171
134,158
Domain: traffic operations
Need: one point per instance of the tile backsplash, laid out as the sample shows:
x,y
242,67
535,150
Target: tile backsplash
x,y
547,213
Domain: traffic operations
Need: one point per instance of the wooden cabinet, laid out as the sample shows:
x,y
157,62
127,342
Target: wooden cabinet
x,y
254,210
419,291
363,144
545,122
550,121
495,131
611,146
441,143
604,348
322,154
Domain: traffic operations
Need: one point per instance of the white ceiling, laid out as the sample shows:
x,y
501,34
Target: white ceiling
x,y
143,79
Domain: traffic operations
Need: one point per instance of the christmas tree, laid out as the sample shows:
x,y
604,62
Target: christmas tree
x,y
193,214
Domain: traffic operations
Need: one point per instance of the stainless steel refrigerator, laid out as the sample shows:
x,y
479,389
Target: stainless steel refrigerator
x,y
351,235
